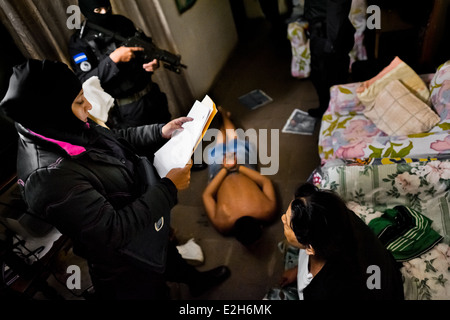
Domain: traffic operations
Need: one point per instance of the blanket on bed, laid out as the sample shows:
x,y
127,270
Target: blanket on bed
x,y
423,186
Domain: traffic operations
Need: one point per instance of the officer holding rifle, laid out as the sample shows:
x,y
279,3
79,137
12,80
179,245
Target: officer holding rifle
x,y
122,71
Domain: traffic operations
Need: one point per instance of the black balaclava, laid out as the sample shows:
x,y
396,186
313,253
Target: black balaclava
x,y
87,8
40,97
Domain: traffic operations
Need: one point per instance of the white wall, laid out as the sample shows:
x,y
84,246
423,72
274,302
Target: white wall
x,y
205,36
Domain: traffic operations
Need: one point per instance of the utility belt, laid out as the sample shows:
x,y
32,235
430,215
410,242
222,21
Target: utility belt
x,y
134,97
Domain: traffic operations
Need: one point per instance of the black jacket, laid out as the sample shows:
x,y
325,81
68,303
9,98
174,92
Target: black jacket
x,y
99,200
350,276
89,51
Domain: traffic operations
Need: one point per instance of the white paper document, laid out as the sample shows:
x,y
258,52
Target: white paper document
x,y
177,152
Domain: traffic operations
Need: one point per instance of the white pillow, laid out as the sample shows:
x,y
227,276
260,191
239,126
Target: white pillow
x,y
397,111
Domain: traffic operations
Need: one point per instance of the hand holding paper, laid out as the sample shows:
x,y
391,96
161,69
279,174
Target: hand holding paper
x,y
181,177
169,129
177,152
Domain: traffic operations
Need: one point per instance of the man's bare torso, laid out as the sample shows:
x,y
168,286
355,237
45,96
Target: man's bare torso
x,y
240,196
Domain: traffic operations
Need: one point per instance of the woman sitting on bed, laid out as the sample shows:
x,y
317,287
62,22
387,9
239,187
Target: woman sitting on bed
x,y
339,256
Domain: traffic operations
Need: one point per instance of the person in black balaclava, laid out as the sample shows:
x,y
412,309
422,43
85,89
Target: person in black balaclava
x,y
92,11
89,183
122,73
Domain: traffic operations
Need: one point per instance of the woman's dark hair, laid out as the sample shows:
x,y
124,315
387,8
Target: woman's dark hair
x,y
247,230
320,218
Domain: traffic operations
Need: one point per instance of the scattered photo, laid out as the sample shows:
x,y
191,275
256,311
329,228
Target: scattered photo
x,y
255,99
300,122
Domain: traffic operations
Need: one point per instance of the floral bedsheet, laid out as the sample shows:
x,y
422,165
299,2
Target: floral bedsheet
x,y
424,186
346,133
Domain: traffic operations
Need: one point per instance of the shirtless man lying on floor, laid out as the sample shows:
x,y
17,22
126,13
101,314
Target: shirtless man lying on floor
x,y
238,199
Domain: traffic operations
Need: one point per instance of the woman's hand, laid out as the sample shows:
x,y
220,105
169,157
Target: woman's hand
x,y
181,177
289,276
174,125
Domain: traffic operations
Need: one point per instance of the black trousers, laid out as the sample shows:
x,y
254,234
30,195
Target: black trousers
x,y
130,283
327,68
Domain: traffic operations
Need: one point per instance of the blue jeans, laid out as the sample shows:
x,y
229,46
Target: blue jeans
x,y
245,153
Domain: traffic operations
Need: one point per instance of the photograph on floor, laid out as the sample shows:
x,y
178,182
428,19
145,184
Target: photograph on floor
x,y
300,122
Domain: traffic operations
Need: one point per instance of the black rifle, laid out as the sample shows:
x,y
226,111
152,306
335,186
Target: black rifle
x,y
170,61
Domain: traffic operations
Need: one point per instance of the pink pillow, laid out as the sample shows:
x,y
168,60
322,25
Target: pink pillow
x,y
397,70
364,85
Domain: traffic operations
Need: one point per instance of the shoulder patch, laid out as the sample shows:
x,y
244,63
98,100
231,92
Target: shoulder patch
x,y
85,66
79,58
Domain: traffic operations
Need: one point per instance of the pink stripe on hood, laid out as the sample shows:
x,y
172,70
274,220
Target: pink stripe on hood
x,y
71,149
